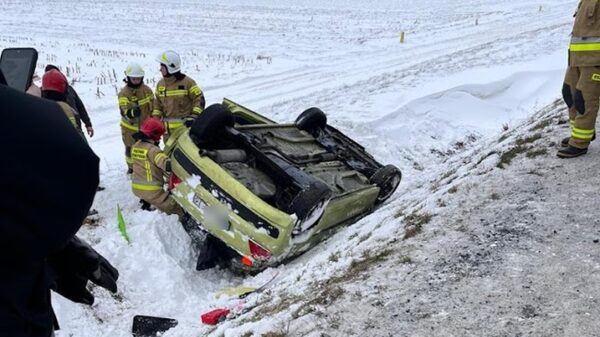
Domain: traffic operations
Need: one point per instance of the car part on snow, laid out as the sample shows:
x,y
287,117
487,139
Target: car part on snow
x,y
150,326
215,316
387,179
208,127
311,119
261,288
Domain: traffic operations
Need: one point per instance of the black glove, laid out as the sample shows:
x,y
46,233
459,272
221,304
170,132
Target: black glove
x,y
77,263
133,112
189,120
168,166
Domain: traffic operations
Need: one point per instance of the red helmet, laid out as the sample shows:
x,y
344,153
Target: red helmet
x,y
54,80
153,128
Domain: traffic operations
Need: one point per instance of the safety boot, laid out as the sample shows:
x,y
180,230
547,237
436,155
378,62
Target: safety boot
x,y
146,206
571,152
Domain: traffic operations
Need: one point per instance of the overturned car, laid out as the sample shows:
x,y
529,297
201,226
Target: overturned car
x,y
257,192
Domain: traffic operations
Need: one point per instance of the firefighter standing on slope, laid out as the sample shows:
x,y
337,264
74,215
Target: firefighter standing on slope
x,y
149,167
178,97
581,89
136,102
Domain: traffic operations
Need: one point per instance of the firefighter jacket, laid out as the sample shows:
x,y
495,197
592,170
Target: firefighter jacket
x,y
72,116
177,99
584,50
149,165
130,98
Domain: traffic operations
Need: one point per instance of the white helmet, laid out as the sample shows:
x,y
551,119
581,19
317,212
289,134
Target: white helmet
x,y
134,70
171,60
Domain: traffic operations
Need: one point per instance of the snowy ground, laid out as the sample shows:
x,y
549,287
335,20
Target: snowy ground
x,y
468,69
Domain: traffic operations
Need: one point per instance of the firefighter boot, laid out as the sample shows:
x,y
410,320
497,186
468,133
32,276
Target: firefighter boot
x,y
146,206
571,152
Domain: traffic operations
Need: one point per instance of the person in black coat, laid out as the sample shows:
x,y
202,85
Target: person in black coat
x,y
75,102
44,201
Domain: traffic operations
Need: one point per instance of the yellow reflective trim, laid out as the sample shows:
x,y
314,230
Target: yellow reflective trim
x,y
584,47
172,93
145,100
195,90
148,171
143,187
583,131
596,77
159,156
174,125
140,154
156,112
197,109
129,126
583,134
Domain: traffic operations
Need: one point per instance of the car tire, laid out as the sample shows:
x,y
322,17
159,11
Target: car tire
x,y
387,178
309,204
311,119
210,124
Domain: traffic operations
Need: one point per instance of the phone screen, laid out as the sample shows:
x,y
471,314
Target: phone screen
x,y
18,65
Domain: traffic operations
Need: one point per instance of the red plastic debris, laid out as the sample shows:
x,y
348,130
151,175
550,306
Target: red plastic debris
x,y
215,316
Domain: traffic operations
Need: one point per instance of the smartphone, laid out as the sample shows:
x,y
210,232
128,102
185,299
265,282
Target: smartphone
x,y
18,65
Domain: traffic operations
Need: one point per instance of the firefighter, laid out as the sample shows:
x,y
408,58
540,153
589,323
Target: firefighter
x,y
75,102
178,98
149,167
54,88
135,103
581,88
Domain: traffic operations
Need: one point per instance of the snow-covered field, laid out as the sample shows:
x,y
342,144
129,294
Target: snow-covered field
x,y
467,70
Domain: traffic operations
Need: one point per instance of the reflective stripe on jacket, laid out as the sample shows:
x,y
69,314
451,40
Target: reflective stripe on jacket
x,y
584,49
149,164
178,99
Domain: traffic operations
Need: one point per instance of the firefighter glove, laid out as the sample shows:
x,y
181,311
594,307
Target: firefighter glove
x,y
133,112
75,265
189,120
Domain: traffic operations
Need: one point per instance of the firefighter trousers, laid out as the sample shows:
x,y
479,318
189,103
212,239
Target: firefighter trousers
x,y
581,93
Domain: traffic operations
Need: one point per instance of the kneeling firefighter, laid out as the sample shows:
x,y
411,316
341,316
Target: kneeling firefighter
x,y
149,167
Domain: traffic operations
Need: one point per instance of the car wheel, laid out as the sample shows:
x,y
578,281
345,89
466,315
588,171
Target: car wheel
x,y
311,119
309,205
387,178
210,124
